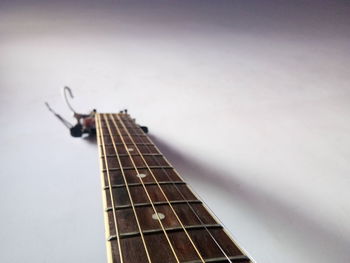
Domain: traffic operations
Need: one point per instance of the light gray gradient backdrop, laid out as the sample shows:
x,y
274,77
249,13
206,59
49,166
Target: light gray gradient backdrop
x,y
248,99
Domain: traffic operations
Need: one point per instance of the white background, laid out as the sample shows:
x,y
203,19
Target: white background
x,y
249,100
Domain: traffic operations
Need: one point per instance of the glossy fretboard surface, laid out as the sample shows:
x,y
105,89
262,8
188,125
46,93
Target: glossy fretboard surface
x,y
151,215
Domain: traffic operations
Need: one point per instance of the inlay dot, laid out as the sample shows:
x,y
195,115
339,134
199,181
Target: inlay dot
x,y
141,175
130,149
160,215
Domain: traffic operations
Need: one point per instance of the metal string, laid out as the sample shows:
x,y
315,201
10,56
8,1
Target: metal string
x,y
183,197
100,134
146,191
190,239
127,188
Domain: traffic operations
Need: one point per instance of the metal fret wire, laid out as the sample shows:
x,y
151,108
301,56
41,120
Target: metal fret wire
x,y
190,239
178,190
110,191
128,190
146,191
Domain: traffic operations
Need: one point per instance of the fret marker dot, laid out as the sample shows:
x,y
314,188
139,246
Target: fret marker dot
x,y
130,149
160,215
141,175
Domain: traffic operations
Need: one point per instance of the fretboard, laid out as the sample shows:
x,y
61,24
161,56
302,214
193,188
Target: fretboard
x,y
151,214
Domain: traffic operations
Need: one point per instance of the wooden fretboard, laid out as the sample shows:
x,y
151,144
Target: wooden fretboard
x,y
151,215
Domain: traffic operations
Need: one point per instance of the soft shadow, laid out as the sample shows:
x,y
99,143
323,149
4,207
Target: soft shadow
x,y
331,242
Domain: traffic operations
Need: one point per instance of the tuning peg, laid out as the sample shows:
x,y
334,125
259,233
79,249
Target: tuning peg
x,y
144,128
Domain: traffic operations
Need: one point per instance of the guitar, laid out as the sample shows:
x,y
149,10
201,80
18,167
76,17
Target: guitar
x,y
151,214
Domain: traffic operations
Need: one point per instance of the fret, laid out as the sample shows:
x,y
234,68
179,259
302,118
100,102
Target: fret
x,y
139,195
241,258
153,161
144,148
155,203
131,124
184,213
182,248
147,149
168,229
158,254
130,144
127,139
149,225
139,168
132,131
138,139
132,154
125,162
166,175
146,183
116,138
132,250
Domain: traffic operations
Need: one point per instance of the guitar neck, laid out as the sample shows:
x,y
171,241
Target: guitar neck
x,y
151,215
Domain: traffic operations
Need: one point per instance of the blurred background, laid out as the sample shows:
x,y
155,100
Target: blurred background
x,y
248,99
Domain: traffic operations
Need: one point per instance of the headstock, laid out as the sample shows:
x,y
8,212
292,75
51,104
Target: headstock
x,y
85,123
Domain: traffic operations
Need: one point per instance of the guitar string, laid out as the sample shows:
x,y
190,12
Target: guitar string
x,y
144,187
155,179
100,131
178,190
183,197
211,212
127,188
